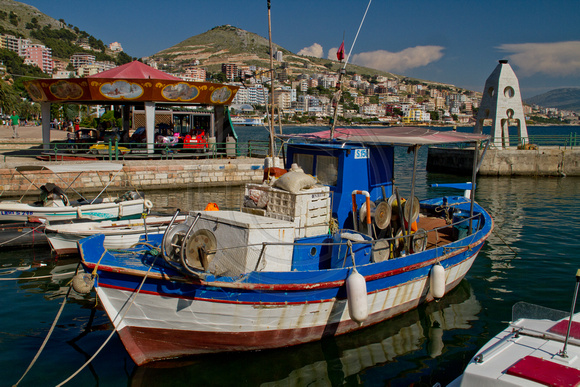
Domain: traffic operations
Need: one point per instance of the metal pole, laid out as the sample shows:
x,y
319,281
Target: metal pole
x,y
412,198
472,192
563,351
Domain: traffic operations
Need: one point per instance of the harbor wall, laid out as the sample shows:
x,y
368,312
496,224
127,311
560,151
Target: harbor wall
x,y
176,174
545,161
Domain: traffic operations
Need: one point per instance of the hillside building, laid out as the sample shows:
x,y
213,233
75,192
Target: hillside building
x,y
39,56
81,59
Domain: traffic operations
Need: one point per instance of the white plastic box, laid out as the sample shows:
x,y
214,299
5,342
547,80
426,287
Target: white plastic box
x,y
309,210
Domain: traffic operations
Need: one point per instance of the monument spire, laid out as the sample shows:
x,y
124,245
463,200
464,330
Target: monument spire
x,y
502,103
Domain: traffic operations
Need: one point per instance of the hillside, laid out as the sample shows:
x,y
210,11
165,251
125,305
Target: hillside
x,y
16,25
563,99
228,44
24,21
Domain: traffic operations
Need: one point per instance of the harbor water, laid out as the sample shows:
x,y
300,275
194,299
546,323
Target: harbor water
x,y
531,256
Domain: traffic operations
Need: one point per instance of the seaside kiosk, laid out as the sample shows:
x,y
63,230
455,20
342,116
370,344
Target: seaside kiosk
x,y
138,85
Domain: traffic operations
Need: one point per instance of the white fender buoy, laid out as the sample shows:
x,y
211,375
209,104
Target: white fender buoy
x,y
356,294
148,204
79,213
437,281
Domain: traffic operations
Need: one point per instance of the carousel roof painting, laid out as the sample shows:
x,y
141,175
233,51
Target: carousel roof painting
x,y
131,82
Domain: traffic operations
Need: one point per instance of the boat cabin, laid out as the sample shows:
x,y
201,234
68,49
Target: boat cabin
x,y
345,168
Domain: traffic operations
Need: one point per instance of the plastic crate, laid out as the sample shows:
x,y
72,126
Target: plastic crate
x,y
309,209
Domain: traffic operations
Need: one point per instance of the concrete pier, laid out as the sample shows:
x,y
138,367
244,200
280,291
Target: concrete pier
x,y
545,161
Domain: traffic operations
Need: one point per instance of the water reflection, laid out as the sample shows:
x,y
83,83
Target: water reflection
x,y
331,361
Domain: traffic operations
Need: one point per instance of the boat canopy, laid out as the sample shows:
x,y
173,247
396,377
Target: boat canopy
x,y
64,168
400,135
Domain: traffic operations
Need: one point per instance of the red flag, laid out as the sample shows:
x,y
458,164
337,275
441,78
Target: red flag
x,y
340,52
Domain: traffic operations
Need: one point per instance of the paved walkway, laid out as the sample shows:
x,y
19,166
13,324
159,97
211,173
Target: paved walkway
x,y
29,134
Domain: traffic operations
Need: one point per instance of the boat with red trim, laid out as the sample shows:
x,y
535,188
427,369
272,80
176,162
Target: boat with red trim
x,y
540,347
327,247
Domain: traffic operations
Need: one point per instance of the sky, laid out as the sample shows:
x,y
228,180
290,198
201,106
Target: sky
x,y
458,42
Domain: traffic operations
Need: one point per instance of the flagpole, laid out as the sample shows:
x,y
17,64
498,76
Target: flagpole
x,y
271,120
338,93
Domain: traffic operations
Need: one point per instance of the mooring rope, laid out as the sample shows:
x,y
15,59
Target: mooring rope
x,y
22,235
505,243
133,296
49,332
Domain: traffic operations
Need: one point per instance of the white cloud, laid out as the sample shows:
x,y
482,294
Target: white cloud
x,y
332,53
399,61
315,50
559,58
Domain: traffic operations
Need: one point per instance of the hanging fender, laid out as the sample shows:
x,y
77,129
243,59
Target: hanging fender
x,y
437,281
356,294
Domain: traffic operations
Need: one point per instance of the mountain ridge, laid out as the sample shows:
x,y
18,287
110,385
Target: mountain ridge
x,y
567,98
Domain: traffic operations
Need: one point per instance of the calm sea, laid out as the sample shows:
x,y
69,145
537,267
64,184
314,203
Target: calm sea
x,y
531,256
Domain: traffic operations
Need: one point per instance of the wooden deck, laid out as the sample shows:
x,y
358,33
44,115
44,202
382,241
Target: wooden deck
x,y
440,237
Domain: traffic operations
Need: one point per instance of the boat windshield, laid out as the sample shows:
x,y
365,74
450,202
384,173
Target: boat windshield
x,y
531,311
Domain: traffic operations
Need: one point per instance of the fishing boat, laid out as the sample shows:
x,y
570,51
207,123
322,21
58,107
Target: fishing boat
x,y
119,234
327,248
22,224
539,347
54,203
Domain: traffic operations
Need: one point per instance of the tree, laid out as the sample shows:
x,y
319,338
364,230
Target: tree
x,y
8,97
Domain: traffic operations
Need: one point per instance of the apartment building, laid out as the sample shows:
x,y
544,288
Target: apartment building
x,y
81,59
230,70
40,56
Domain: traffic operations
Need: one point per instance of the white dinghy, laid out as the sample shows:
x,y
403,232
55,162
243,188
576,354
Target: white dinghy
x,y
119,234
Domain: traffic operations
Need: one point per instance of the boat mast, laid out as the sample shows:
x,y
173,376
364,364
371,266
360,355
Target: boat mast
x,y
343,71
271,120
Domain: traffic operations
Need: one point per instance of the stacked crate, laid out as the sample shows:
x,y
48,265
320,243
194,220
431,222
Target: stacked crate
x,y
309,209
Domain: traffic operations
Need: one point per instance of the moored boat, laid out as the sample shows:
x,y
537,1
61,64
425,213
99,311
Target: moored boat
x,y
54,203
23,223
119,234
539,347
304,259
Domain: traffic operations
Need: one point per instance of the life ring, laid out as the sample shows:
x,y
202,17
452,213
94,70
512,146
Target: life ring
x,y
148,204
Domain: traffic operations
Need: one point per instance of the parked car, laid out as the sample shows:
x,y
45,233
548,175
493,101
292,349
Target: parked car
x,y
102,148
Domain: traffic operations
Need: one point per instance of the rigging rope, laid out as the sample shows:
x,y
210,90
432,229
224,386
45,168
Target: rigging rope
x,y
357,32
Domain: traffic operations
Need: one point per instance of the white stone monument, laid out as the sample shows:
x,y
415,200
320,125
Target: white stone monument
x,y
502,103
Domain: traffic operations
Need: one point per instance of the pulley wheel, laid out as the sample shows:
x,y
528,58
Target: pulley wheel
x,y
407,208
201,248
362,213
419,239
174,236
381,250
383,215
